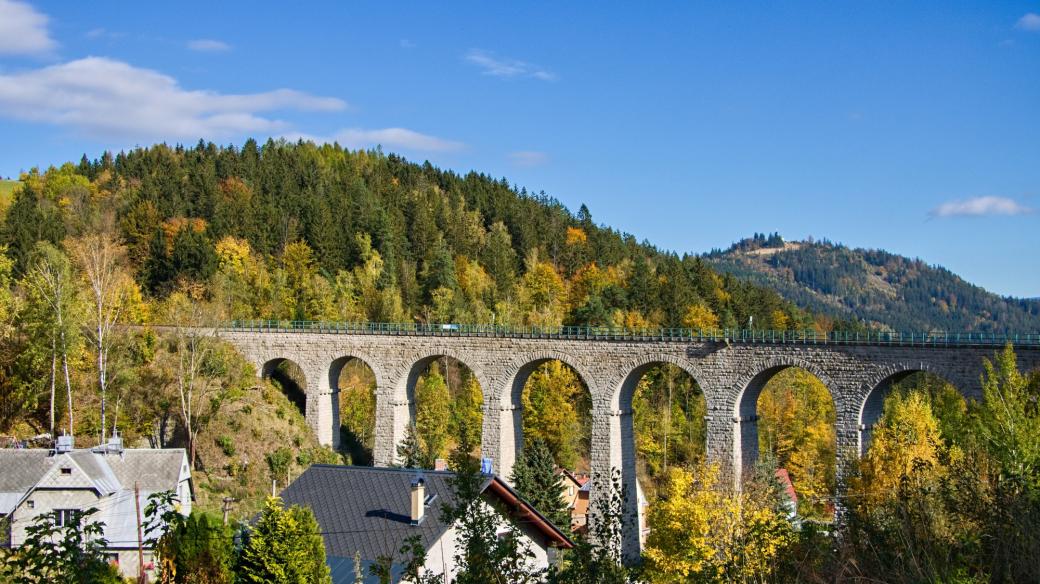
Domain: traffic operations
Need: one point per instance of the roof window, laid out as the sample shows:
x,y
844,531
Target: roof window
x,y
66,470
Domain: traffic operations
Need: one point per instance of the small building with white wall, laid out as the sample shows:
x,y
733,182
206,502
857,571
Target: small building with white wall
x,y
36,481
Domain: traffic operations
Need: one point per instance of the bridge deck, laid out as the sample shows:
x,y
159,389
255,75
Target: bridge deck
x,y
678,335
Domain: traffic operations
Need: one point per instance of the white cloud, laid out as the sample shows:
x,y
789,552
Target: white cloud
x,y
1030,21
528,158
394,138
105,97
979,207
500,67
23,30
208,46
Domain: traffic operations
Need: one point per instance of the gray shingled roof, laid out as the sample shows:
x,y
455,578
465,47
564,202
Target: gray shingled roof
x,y
153,469
96,469
367,510
20,470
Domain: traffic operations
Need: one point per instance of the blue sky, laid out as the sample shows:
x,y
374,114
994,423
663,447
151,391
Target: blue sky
x,y
912,127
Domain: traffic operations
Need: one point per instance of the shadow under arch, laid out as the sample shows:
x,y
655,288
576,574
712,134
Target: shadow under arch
x,y
746,415
873,403
289,377
352,381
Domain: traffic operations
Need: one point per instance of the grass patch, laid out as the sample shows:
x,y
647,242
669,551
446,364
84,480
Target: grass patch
x,y
258,437
7,189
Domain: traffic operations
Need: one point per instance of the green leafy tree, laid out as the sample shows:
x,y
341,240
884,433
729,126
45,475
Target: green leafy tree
x,y
73,552
53,314
284,547
796,424
702,533
483,553
415,563
1006,471
357,411
467,417
432,410
197,549
556,411
668,411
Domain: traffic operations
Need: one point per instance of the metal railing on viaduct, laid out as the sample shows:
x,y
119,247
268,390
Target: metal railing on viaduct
x,y
731,367
681,335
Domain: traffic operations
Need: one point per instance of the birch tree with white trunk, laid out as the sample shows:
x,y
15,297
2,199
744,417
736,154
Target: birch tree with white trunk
x,y
51,285
101,260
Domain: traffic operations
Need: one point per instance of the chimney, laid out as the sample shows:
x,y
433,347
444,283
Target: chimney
x,y
64,444
418,499
115,443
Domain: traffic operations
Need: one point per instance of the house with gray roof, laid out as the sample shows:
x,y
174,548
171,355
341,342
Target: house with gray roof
x,y
370,511
35,481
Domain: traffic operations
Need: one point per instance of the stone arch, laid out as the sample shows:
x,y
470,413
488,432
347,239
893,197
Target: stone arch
x,y
401,399
503,407
337,365
357,442
404,387
877,387
519,369
763,370
623,449
747,390
633,371
288,374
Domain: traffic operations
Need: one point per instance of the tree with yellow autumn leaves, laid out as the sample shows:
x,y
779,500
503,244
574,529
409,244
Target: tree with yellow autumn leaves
x,y
703,532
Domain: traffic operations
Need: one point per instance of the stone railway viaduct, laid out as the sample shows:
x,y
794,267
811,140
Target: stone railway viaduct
x,y
730,371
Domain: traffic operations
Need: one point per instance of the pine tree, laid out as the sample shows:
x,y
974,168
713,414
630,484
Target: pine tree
x,y
499,258
410,451
536,479
284,547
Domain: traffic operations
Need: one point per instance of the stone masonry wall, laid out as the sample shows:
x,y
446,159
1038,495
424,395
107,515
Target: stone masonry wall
x,y
731,375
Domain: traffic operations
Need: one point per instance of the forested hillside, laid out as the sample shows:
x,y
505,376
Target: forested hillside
x,y
298,231
881,289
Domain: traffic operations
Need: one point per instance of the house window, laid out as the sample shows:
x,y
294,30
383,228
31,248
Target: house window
x,y
64,516
66,470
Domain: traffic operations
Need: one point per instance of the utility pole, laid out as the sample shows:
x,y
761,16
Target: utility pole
x,y
226,507
140,544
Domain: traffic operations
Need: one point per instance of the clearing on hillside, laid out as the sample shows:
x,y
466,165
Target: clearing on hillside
x,y
7,188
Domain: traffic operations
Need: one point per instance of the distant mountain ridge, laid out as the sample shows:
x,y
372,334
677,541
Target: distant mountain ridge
x,y
878,288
